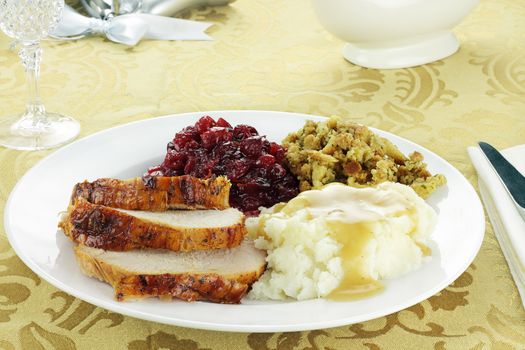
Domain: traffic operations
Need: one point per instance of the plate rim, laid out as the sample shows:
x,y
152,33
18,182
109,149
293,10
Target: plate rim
x,y
307,326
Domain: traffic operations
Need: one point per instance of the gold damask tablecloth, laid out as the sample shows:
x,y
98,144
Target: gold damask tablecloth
x,y
273,55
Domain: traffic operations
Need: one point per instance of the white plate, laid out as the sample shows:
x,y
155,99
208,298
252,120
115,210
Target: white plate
x,y
31,217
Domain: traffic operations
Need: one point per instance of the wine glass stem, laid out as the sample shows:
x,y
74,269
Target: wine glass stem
x,y
31,55
115,7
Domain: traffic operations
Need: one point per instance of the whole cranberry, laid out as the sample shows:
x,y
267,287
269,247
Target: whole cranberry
x,y
277,151
174,160
181,139
274,147
277,171
214,136
240,132
235,169
205,169
190,130
223,123
266,161
225,150
204,124
252,146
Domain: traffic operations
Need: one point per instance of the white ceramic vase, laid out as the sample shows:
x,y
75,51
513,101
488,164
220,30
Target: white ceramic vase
x,y
394,33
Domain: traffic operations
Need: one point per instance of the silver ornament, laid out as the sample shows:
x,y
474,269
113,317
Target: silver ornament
x,y
107,8
172,7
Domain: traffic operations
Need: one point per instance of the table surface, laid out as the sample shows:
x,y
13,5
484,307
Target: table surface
x,y
273,55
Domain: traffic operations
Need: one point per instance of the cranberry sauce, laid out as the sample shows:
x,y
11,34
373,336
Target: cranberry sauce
x,y
252,163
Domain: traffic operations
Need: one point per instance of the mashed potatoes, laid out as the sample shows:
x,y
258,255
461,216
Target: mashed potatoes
x,y
340,241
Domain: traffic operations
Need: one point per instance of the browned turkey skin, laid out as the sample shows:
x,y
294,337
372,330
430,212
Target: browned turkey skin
x,y
98,226
156,193
185,286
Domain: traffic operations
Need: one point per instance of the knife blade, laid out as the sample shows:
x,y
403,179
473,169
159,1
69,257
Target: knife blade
x,y
511,178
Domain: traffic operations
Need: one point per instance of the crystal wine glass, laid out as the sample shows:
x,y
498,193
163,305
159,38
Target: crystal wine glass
x,y
28,22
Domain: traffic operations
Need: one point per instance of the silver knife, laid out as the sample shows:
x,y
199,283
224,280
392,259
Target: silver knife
x,y
511,178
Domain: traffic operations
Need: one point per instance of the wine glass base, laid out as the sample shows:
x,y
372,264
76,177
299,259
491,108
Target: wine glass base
x,y
22,133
